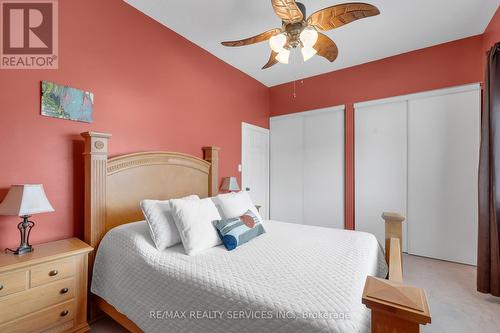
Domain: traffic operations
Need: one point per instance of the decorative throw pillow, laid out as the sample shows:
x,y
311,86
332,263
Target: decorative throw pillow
x,y
239,230
235,204
158,214
194,221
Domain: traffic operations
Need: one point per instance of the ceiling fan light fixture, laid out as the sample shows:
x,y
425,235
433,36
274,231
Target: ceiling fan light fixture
x,y
300,31
308,53
283,56
277,42
309,37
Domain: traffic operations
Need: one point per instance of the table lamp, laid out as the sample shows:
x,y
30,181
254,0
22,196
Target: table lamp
x,y
230,184
24,201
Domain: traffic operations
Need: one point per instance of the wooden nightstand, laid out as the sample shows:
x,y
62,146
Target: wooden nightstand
x,y
45,290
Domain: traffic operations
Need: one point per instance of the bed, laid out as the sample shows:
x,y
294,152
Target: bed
x,y
274,274
294,278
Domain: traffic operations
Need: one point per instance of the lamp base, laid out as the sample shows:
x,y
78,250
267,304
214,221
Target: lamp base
x,y
24,229
21,250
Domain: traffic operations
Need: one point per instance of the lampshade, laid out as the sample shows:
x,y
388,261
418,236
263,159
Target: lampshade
x,y
230,184
22,200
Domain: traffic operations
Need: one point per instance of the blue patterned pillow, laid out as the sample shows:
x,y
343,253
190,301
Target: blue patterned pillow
x,y
239,230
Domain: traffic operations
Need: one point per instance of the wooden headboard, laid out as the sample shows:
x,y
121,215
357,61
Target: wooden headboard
x,y
115,186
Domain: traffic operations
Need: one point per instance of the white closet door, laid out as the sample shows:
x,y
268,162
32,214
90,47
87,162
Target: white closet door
x,y
442,184
380,165
286,182
323,162
307,168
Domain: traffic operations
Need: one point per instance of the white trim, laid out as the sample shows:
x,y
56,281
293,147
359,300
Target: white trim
x,y
406,225
311,112
425,94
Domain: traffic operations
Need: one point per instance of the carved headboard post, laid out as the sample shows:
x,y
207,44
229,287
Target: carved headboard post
x,y
211,154
96,162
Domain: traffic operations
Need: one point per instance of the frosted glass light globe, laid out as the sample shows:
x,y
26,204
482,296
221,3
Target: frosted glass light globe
x,y
309,37
283,56
277,42
308,53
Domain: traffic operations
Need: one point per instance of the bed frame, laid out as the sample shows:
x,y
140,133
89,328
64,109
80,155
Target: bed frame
x,y
115,186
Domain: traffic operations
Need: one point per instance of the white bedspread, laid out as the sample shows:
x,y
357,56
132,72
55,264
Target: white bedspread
x,y
294,278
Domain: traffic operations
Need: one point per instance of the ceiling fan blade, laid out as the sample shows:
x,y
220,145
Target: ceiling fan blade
x,y
287,10
326,47
339,15
255,39
272,60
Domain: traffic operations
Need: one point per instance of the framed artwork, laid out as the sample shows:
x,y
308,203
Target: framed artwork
x,y
65,102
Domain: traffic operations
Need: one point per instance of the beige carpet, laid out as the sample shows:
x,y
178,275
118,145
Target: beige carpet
x,y
455,304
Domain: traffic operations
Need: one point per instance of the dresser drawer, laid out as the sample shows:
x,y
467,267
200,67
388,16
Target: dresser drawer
x,y
13,282
41,320
52,271
35,299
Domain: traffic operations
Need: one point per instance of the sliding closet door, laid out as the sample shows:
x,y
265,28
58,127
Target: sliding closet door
x,y
307,168
380,165
323,162
286,176
443,145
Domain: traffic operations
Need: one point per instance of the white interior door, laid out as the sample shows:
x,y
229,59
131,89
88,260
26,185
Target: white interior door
x,y
380,166
444,135
255,165
307,167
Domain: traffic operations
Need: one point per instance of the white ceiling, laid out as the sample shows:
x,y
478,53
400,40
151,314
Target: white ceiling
x,y
402,26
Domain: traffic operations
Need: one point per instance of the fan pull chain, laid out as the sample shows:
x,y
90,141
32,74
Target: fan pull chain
x,y
295,88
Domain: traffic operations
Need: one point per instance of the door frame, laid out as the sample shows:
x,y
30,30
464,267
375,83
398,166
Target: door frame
x,y
247,126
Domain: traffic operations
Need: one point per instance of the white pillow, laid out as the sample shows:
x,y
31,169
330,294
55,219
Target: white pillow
x,y
158,214
235,204
194,221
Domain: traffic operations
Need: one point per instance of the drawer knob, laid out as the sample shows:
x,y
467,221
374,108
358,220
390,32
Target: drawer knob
x,y
53,272
64,313
1,286
64,290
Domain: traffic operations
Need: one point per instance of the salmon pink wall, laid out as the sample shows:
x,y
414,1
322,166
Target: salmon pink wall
x,y
441,66
154,90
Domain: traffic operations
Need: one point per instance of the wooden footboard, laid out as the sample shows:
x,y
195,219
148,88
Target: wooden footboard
x,y
396,307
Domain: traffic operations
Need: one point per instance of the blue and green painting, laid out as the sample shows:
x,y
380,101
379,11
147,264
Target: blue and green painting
x,y
66,103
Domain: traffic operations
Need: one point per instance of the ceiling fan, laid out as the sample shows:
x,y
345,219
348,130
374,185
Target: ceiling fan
x,y
297,31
